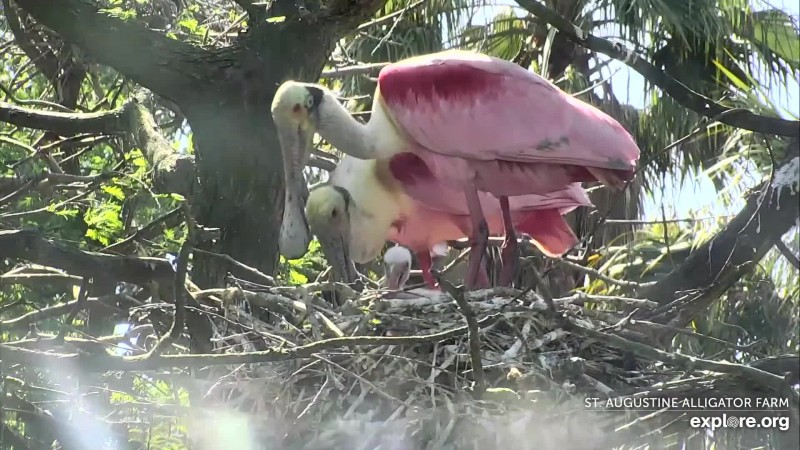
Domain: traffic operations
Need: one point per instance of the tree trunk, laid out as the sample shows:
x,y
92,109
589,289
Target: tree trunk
x,y
226,96
238,154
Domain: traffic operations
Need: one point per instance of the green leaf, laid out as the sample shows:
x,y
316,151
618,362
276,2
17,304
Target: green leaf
x,y
190,24
733,78
114,191
296,277
774,29
120,13
66,212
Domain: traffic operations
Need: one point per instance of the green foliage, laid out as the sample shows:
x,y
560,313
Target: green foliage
x,y
721,48
760,310
305,269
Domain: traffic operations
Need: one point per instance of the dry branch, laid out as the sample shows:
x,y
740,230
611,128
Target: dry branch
x,y
151,362
750,373
368,371
30,246
347,71
172,172
115,301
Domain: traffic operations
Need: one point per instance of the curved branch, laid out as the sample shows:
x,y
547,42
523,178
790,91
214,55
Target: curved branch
x,y
770,212
172,172
672,87
28,42
109,122
30,246
151,59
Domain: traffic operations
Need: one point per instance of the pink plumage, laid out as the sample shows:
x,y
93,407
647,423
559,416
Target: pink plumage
x,y
483,121
477,124
437,220
539,216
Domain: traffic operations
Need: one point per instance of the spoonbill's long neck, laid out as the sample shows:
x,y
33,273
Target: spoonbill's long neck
x,y
343,131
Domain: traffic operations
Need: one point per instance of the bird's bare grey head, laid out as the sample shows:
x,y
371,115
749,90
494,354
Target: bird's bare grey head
x,y
397,266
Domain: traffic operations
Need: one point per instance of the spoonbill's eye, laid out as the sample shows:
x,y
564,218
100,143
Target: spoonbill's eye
x,y
310,102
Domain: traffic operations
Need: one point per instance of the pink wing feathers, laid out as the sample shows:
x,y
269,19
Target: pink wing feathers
x,y
419,183
426,227
442,215
488,121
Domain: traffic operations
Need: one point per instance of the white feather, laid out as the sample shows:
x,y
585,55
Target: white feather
x,y
440,249
397,255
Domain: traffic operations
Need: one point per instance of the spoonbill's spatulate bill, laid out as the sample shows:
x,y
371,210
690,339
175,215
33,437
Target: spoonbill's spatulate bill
x,y
471,121
363,205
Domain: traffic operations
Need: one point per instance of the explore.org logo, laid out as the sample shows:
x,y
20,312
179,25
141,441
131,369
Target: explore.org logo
x,y
726,421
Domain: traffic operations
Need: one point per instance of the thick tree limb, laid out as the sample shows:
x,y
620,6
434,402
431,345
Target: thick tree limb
x,y
172,172
109,122
114,301
224,95
672,87
149,58
780,365
770,212
787,253
45,61
30,246
753,374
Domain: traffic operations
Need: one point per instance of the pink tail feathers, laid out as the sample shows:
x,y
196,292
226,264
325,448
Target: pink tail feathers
x,y
549,231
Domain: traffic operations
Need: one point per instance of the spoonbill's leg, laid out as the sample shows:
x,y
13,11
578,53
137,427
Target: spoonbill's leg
x,y
509,253
425,265
483,281
480,236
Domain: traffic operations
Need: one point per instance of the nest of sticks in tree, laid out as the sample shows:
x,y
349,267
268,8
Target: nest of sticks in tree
x,y
489,369
497,368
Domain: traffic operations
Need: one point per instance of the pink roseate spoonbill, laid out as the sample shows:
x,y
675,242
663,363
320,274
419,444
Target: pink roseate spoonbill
x,y
363,205
472,121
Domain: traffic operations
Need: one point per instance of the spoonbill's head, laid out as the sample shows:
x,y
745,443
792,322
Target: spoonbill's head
x,y
397,266
328,213
295,111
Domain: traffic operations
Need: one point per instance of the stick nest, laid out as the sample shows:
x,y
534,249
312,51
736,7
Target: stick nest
x,y
412,386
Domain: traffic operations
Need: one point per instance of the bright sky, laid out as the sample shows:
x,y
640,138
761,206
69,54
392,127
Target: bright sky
x,y
697,194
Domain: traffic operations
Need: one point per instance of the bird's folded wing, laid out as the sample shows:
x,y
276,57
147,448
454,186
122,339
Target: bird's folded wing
x,y
477,107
